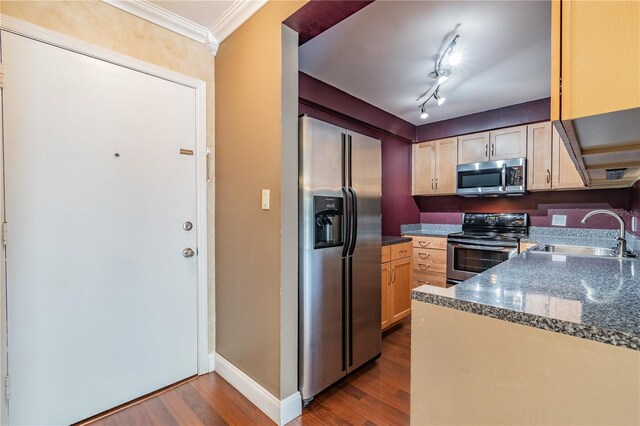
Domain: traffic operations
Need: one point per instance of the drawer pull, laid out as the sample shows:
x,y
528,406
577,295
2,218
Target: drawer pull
x,y
402,251
424,256
423,282
423,266
423,244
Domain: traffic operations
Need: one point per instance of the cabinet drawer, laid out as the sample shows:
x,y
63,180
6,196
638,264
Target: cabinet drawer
x,y
386,254
398,251
422,278
429,260
438,243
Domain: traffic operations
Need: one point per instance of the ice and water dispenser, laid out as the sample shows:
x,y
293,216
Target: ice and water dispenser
x,y
327,216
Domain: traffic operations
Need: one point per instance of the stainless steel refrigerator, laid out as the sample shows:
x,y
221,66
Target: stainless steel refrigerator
x,y
340,233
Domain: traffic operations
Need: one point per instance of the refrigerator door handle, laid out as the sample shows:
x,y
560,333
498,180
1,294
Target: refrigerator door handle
x,y
347,222
353,212
343,143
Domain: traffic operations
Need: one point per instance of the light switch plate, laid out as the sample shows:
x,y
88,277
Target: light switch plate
x,y
559,220
266,193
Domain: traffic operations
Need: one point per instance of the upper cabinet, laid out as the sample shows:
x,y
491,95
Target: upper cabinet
x,y
595,57
434,167
494,145
549,166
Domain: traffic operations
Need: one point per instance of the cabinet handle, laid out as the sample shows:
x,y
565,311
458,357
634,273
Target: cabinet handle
x,y
423,282
423,244
493,149
548,176
393,271
486,150
436,183
402,251
389,270
423,266
431,184
424,256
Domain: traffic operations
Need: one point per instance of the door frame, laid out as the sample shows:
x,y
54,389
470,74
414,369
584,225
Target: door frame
x,y
56,39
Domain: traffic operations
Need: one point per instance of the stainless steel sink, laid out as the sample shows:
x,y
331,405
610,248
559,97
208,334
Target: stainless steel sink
x,y
575,250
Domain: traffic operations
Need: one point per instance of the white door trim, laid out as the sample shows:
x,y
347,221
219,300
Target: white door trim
x,y
53,38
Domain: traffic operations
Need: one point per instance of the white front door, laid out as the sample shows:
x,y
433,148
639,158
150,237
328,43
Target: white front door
x,y
102,304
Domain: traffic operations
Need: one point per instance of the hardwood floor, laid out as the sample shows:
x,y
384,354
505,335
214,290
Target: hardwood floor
x,y
376,394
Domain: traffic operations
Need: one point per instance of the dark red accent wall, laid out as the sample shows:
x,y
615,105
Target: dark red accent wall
x,y
317,16
513,115
324,102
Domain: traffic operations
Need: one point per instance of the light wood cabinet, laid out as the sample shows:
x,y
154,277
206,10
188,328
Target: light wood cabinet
x,y
539,157
501,144
473,148
434,171
564,174
596,56
549,166
396,278
430,261
525,246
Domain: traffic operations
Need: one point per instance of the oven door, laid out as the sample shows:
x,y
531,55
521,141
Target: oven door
x,y
466,260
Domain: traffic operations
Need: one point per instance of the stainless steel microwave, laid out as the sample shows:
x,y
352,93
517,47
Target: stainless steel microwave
x,y
503,177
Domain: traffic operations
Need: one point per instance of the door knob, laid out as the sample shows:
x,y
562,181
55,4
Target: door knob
x,y
188,252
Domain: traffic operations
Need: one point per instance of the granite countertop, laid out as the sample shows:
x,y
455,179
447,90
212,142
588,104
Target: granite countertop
x,y
429,230
588,297
391,240
605,238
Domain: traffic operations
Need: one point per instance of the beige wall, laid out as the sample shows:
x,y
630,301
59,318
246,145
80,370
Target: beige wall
x,y
472,369
255,298
103,25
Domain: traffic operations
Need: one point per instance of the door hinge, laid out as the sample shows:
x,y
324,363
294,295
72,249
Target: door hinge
x,y
7,384
4,233
560,86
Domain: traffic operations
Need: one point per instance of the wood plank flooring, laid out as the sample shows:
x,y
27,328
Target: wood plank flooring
x,y
376,394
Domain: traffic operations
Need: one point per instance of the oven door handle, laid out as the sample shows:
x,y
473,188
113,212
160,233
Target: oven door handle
x,y
485,248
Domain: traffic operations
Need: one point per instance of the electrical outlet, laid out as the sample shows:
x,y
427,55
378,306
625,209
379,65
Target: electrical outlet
x,y
266,193
559,220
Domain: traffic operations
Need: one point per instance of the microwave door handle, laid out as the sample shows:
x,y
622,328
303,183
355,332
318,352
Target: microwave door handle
x,y
485,248
504,177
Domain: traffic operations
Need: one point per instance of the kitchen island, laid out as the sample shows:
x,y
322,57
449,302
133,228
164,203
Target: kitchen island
x,y
539,339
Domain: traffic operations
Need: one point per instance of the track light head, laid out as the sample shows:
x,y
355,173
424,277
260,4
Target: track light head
x,y
423,113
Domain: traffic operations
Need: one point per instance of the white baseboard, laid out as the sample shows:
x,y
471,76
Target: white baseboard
x,y
280,411
212,362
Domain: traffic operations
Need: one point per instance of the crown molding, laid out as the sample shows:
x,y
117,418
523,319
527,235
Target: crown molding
x,y
234,17
150,12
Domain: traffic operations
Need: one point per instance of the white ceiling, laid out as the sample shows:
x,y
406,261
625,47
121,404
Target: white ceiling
x,y
384,53
204,13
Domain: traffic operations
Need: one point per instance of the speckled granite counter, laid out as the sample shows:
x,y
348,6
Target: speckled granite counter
x,y
587,297
572,236
389,240
429,229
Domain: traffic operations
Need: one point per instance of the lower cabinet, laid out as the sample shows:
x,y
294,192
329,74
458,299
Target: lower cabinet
x,y
430,261
396,279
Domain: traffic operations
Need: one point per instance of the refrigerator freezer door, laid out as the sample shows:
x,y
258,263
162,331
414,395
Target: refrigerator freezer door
x,y
365,293
322,339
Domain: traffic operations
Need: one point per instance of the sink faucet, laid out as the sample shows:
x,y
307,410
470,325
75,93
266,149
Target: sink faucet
x,y
622,243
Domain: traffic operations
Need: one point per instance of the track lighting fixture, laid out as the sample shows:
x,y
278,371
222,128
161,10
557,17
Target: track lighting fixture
x,y
423,113
450,57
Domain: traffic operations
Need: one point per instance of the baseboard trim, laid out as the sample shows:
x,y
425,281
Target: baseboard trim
x,y
212,362
280,411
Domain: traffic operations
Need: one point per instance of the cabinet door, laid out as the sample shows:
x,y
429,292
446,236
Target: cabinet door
x,y
564,174
401,284
385,281
539,156
446,157
600,57
424,164
508,143
473,148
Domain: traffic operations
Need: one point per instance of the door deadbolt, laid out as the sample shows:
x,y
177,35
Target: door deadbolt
x,y
187,226
188,252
